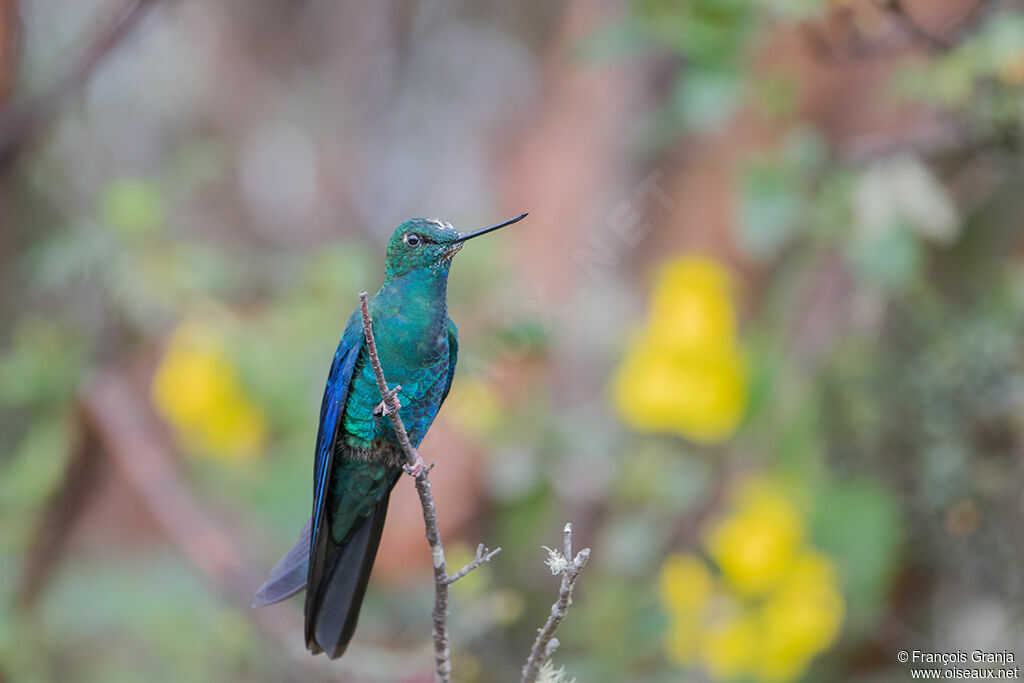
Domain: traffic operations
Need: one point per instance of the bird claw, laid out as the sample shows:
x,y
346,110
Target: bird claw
x,y
382,408
416,468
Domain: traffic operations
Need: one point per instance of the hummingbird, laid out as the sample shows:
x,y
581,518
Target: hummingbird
x,y
358,458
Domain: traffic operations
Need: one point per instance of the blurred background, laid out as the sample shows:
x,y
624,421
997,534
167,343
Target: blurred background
x,y
760,338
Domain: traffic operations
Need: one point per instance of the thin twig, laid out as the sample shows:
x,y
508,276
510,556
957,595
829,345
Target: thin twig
x,y
569,567
389,397
482,555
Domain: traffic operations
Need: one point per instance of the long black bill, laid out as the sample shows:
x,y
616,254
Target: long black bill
x,y
491,228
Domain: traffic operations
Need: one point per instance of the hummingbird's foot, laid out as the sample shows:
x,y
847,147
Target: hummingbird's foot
x,y
389,398
416,467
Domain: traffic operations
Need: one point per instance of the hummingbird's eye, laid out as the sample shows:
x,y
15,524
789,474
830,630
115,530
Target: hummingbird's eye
x,y
413,240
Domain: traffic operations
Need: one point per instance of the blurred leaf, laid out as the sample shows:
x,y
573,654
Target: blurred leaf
x,y
29,475
42,364
660,475
903,193
769,209
598,623
778,95
615,40
800,446
170,626
512,475
632,546
858,523
133,207
337,272
890,261
521,526
964,78
774,194
197,164
702,98
529,334
799,9
706,31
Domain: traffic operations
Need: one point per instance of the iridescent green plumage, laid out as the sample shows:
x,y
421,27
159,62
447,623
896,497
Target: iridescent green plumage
x,y
358,459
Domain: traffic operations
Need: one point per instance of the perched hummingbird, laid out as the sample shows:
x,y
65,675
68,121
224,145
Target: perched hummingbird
x,y
358,458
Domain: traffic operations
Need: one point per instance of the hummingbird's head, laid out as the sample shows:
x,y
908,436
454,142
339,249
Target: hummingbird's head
x,y
428,244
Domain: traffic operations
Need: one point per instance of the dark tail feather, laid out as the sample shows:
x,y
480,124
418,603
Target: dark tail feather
x,y
288,576
332,606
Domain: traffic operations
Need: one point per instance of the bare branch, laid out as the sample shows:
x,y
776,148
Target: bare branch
x,y
391,406
545,644
482,555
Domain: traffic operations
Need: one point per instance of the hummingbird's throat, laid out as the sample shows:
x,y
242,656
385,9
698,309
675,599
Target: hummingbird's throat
x,y
451,251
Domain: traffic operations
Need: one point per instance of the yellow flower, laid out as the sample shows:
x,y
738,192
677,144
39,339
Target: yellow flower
x,y
234,429
801,618
683,638
684,373
196,390
686,588
699,397
729,646
686,583
756,546
691,308
778,606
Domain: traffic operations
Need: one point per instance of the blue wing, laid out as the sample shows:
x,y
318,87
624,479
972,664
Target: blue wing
x,y
304,562
453,355
333,405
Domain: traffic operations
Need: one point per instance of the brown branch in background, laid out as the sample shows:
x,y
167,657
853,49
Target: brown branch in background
x,y
20,121
111,411
81,482
977,15
442,652
911,33
117,426
114,425
934,44
10,43
569,567
952,35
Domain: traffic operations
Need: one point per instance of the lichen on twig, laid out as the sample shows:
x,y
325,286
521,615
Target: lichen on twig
x,y
569,567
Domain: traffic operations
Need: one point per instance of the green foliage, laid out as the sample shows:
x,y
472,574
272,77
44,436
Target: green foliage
x,y
179,627
707,32
41,364
777,193
858,523
132,207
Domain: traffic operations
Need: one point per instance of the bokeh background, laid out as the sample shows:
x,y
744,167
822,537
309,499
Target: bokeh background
x,y
760,338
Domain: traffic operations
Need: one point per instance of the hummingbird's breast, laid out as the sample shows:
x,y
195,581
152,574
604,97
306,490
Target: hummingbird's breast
x,y
412,342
